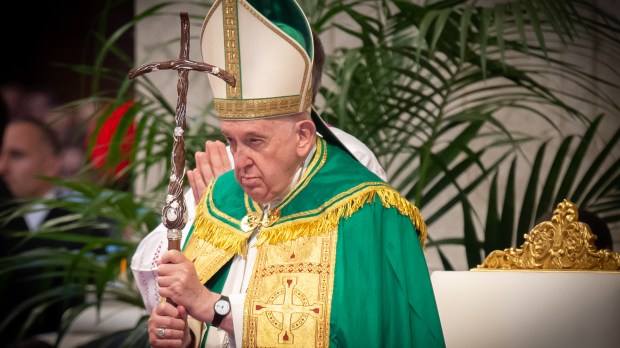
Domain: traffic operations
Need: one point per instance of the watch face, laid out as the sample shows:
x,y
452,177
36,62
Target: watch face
x,y
222,307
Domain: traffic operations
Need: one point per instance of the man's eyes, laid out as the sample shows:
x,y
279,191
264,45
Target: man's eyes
x,y
251,142
16,155
255,141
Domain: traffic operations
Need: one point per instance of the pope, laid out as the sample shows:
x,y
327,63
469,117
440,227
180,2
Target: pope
x,y
299,245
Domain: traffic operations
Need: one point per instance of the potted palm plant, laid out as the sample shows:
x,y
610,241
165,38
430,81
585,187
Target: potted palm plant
x,y
440,91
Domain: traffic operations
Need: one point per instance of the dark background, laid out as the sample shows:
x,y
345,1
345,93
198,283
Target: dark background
x,y
37,36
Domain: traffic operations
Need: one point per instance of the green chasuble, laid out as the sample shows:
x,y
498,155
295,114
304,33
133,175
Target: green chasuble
x,y
340,262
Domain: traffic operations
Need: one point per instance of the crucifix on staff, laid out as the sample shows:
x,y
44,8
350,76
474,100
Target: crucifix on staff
x,y
174,212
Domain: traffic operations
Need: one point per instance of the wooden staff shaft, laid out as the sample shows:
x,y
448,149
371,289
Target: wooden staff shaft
x,y
174,212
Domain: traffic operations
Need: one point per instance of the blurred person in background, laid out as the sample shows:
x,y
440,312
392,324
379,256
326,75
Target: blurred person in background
x,y
29,157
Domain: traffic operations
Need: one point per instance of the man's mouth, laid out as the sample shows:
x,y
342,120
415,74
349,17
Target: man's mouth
x,y
249,180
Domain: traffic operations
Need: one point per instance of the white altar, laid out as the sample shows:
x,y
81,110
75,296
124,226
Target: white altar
x,y
556,291
533,309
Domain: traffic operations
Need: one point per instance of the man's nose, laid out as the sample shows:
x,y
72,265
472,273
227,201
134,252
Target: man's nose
x,y
241,158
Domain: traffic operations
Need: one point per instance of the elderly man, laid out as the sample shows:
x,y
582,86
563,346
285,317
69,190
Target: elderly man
x,y
299,245
215,160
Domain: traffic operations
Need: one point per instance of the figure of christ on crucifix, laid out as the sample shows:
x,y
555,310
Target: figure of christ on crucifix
x,y
174,212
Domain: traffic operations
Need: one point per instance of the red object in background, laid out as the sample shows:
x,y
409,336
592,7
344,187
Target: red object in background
x,y
99,155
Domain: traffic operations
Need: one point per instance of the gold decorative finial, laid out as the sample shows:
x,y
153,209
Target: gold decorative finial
x,y
563,243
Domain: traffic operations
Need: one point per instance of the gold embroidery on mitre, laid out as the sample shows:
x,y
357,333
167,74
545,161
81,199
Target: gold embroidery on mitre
x,y
288,301
231,46
563,243
232,109
235,106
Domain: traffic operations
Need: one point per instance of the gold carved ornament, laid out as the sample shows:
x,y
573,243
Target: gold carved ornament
x,y
264,219
563,243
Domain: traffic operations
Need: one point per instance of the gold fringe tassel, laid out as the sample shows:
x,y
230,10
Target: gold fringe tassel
x,y
318,225
230,239
216,232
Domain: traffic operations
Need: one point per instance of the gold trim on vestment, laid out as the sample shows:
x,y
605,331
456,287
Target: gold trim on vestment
x,y
326,217
213,242
312,223
229,236
289,301
318,161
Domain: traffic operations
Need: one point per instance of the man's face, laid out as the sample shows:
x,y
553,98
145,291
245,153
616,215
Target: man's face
x,y
266,153
25,155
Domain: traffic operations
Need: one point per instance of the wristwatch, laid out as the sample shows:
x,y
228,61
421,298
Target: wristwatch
x,y
221,309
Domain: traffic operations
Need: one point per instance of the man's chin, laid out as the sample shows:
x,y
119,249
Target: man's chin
x,y
253,191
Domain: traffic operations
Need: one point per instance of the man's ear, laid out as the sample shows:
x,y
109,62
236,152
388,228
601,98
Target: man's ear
x,y
306,133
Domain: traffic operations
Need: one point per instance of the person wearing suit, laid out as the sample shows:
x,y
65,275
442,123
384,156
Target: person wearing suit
x,y
30,154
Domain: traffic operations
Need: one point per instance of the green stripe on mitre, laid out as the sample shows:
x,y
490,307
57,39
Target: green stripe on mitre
x,y
289,17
